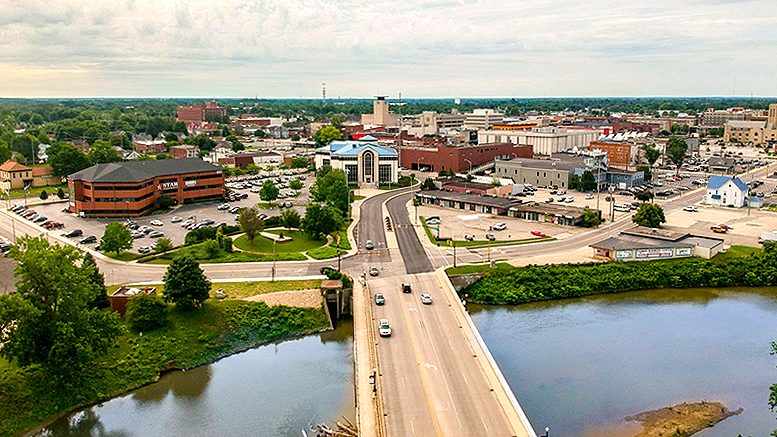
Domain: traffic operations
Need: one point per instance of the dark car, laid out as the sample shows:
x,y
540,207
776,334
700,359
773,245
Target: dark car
x,y
89,239
325,269
406,288
379,299
74,233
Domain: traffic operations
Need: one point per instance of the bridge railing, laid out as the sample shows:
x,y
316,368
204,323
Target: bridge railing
x,y
377,399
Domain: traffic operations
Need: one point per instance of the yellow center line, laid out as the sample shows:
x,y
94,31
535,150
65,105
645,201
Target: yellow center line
x,y
420,371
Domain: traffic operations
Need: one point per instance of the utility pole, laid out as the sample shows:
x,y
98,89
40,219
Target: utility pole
x,y
399,141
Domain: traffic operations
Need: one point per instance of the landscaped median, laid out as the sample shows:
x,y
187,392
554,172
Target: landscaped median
x,y
28,396
513,285
476,244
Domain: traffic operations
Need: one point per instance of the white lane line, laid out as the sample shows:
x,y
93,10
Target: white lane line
x,y
484,423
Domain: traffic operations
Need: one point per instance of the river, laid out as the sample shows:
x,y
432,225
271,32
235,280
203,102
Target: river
x,y
581,365
275,390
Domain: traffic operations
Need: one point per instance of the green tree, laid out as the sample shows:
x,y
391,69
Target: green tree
x,y
269,192
44,195
171,137
146,312
299,162
163,245
326,135
65,159
185,283
587,181
251,223
36,119
332,189
648,172
643,195
290,218
295,184
574,182
589,219
428,184
164,202
48,320
651,153
320,220
211,249
650,215
60,193
295,137
252,169
676,148
116,238
43,138
96,278
103,152
5,151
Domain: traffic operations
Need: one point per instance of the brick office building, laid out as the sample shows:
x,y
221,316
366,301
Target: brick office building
x,y
200,113
130,188
618,154
460,158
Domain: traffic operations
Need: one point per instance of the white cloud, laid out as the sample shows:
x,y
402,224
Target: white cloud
x,y
278,48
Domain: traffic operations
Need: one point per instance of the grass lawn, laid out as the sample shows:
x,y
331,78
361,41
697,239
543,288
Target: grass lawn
x,y
267,205
35,192
736,252
325,252
123,256
300,243
200,255
239,290
463,270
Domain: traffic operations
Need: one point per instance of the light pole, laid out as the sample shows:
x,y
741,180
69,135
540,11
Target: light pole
x,y
470,165
419,163
273,260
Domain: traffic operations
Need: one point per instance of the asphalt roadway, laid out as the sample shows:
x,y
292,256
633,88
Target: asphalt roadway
x,y
413,253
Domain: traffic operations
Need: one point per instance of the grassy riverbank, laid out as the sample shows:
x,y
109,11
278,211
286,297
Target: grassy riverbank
x,y
739,267
28,396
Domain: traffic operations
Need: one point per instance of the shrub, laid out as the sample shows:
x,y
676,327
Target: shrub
x,y
44,195
146,312
211,249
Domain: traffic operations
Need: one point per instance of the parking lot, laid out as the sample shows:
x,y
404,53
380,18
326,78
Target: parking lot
x,y
198,212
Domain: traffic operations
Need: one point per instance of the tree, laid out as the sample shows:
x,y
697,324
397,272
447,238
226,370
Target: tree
x,y
48,320
96,278
269,192
116,238
332,189
5,151
326,135
589,219
171,136
44,195
252,169
587,181
295,184
295,137
163,245
428,184
36,119
643,195
676,149
320,220
60,193
146,312
251,223
185,283
299,162
164,202
651,153
103,152
648,172
650,215
65,159
290,218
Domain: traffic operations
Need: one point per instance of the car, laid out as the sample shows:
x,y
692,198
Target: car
x,y
157,222
433,221
263,216
469,237
725,226
379,299
74,233
561,199
719,229
254,189
175,219
156,234
426,299
186,223
609,199
373,271
144,229
690,208
549,200
40,219
490,237
406,288
589,196
88,240
136,235
144,249
538,233
569,199
289,204
234,209
384,329
368,245
325,269
499,227
218,225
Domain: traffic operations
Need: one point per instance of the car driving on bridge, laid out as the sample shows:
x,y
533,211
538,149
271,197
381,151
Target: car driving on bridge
x,y
379,299
384,329
426,299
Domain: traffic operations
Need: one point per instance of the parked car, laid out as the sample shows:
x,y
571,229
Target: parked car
x,y
263,216
538,233
373,271
157,223
40,219
569,199
426,298
490,237
406,288
499,227
144,249
589,196
74,233
137,234
690,208
433,221
175,219
549,200
379,299
88,240
156,234
384,329
187,223
469,237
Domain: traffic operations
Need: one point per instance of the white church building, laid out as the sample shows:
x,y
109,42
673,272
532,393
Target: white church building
x,y
726,191
365,162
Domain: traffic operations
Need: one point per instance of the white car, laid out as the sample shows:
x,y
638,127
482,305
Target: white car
x,y
499,227
187,223
384,329
144,249
569,199
589,196
690,208
157,222
175,219
426,298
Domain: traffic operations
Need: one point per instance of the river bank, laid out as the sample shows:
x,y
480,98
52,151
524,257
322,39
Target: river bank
x,y
29,400
681,420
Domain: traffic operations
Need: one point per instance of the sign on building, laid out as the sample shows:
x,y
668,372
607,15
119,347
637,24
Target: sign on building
x,y
662,252
683,251
622,254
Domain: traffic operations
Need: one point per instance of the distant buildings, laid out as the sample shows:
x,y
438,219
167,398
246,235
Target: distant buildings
x,y
14,175
200,113
545,141
755,132
460,158
381,115
145,143
483,119
185,151
619,154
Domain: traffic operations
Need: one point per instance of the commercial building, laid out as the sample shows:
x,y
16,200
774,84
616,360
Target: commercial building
x,y
544,141
618,153
364,162
14,175
726,191
431,122
145,143
44,177
131,188
642,244
184,151
483,119
460,158
200,113
537,172
713,117
756,132
381,115
550,213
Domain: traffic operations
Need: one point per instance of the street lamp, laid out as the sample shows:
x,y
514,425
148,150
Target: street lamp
x,y
547,432
419,163
470,165
273,260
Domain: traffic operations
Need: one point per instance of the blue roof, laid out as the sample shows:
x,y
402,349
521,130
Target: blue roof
x,y
756,199
353,148
716,182
368,138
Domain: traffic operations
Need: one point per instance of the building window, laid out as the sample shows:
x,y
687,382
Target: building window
x,y
368,163
384,173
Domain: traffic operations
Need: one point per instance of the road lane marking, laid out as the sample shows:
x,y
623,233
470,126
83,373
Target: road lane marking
x,y
484,423
430,366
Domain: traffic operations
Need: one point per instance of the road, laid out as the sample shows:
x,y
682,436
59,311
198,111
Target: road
x,y
413,253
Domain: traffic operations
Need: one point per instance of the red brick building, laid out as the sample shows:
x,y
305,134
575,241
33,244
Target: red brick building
x,y
185,151
619,154
200,113
131,188
460,158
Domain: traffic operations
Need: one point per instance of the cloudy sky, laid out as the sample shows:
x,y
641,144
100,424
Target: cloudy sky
x,y
421,48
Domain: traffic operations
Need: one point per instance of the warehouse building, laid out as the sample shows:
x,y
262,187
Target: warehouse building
x,y
642,243
131,188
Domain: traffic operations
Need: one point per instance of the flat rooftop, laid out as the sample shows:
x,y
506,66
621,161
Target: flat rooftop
x,y
657,233
500,202
550,209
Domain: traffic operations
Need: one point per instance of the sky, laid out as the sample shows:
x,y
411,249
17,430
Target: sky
x,y
420,48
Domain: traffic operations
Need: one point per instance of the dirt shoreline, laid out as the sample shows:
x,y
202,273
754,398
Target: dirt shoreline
x,y
681,420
